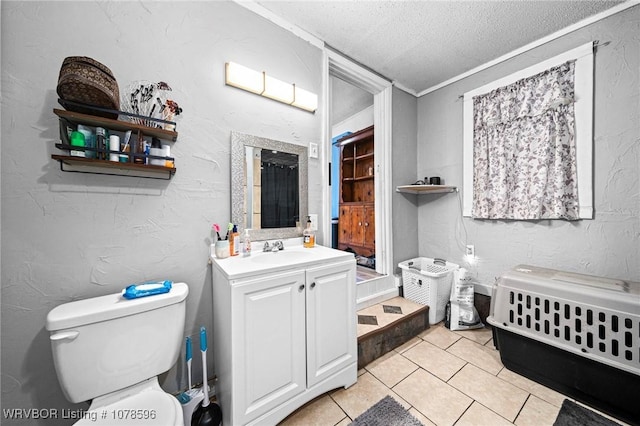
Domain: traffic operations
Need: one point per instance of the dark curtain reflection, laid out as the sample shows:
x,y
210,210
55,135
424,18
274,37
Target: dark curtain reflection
x,y
279,200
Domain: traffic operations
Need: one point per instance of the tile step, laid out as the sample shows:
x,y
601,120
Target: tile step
x,y
377,342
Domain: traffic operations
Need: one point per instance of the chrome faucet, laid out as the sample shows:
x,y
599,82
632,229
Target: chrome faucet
x,y
276,246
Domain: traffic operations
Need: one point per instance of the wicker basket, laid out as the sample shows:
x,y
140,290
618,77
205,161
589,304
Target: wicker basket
x,y
86,81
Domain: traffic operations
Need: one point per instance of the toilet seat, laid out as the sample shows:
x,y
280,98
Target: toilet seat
x,y
152,407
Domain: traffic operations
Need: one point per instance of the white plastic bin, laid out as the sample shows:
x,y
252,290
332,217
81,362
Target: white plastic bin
x,y
428,282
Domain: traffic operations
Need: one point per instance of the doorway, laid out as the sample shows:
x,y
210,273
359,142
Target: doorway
x,y
344,73
352,181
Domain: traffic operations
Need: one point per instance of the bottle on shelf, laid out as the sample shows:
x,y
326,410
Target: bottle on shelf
x,y
102,145
77,139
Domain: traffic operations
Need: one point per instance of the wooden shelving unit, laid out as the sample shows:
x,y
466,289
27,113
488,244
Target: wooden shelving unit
x,y
70,163
356,224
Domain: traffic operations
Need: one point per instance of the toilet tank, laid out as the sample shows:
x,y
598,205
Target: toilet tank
x,y
107,343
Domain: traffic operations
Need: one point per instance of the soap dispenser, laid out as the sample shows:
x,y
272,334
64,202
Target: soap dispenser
x,y
246,247
309,237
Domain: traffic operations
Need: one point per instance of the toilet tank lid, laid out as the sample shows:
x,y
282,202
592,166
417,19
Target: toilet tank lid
x,y
111,306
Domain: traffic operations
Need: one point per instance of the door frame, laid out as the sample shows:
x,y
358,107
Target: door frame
x,y
339,66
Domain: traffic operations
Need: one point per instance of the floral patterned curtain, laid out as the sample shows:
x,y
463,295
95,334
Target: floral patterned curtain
x,y
524,151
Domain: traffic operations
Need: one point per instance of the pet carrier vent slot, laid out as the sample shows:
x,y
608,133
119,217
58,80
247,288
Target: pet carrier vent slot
x,y
573,323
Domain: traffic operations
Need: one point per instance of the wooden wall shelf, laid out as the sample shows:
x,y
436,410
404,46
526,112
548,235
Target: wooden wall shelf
x,y
426,189
104,167
119,125
77,164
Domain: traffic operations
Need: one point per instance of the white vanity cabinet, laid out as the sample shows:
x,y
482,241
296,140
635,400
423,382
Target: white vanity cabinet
x,y
282,334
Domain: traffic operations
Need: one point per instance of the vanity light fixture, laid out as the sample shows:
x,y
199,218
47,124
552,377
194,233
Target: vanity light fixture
x,y
260,83
244,78
278,90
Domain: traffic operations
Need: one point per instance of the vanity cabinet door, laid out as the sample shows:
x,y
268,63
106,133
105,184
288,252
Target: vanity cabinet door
x,y
331,320
269,343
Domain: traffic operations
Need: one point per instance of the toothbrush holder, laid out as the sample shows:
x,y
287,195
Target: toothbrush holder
x,y
222,249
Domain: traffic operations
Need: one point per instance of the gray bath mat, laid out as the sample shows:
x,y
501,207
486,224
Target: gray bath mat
x,y
572,414
386,412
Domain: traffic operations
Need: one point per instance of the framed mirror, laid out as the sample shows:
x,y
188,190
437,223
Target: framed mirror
x,y
268,187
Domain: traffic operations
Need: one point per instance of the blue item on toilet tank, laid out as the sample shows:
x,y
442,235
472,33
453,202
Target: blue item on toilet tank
x,y
148,288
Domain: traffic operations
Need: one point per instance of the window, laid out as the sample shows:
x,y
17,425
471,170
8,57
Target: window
x,y
550,79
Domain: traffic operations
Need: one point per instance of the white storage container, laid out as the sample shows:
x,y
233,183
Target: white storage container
x,y
428,282
577,334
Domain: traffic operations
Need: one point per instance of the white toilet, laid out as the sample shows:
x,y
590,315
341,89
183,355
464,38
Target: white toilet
x,y
110,350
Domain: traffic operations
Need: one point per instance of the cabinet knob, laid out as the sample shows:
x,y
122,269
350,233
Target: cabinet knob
x,y
359,223
301,287
313,285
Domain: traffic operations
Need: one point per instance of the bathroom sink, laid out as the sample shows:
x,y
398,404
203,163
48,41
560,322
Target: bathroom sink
x,y
283,257
293,256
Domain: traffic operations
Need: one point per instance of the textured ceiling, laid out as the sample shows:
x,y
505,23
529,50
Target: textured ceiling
x,y
420,44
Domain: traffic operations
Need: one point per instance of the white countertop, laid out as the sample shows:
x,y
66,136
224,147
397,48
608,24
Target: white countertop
x,y
234,267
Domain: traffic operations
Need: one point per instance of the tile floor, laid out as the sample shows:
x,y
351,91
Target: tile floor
x,y
442,378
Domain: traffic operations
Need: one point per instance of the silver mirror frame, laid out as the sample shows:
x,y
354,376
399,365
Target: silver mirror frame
x,y
238,143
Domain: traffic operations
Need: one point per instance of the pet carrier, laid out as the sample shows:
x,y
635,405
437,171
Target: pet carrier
x,y
577,334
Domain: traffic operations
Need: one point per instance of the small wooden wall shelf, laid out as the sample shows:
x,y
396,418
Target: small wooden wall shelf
x,y
426,189
70,163
105,167
119,125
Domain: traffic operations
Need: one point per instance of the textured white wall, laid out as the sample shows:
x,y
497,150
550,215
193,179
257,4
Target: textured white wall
x,y
68,236
405,218
609,245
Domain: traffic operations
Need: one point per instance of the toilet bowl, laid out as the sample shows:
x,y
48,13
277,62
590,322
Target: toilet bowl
x,y
110,350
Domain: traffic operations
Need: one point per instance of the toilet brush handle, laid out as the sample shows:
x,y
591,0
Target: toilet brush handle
x,y
203,339
189,356
203,350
